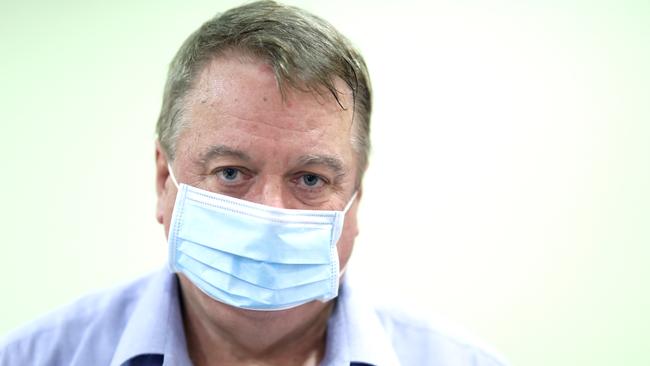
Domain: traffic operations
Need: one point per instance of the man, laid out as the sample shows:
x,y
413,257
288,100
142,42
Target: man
x,y
263,140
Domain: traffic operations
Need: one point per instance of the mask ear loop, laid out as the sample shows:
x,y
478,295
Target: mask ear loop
x,y
350,202
345,210
171,175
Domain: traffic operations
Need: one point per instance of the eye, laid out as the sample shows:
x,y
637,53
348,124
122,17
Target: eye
x,y
312,189
229,174
311,181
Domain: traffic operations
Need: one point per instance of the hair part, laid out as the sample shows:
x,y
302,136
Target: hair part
x,y
305,52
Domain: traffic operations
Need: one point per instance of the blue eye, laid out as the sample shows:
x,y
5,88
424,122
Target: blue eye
x,y
229,173
310,180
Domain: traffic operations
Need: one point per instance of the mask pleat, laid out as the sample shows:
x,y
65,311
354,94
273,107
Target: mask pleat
x,y
251,237
268,275
251,291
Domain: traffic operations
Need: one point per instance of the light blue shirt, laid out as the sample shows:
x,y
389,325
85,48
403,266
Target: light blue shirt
x,y
141,325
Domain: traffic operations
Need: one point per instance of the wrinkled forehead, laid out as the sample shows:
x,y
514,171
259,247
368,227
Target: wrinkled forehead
x,y
243,89
247,88
222,71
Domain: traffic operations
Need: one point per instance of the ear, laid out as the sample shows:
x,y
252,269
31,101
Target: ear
x,y
162,175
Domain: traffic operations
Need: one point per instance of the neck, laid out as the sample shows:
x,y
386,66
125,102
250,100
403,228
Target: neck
x,y
218,334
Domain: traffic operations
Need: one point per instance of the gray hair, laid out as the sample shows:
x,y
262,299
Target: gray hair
x,y
305,51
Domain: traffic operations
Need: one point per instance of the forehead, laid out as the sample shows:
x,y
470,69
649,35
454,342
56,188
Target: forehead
x,y
236,97
237,78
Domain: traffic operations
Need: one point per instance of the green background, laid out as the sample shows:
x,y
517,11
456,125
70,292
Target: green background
x,y
509,184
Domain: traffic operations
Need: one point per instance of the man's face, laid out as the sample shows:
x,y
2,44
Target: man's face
x,y
243,140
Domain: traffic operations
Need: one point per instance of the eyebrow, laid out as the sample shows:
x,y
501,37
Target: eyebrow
x,y
332,162
218,151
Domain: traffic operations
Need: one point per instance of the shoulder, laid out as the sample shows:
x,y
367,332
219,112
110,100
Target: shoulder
x,y
404,335
88,327
419,337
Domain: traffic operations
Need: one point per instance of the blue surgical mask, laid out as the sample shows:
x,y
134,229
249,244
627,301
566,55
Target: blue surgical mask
x,y
254,256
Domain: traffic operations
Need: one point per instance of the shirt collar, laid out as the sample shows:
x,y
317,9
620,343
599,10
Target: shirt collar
x,y
355,332
155,327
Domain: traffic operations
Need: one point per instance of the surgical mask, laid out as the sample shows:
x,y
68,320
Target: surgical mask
x,y
254,256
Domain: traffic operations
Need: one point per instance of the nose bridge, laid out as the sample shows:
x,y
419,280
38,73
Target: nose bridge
x,y
270,192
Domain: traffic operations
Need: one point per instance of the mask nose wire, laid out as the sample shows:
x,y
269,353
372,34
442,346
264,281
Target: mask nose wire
x,y
171,175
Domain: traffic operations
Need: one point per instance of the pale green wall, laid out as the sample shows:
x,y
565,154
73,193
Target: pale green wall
x,y
508,191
